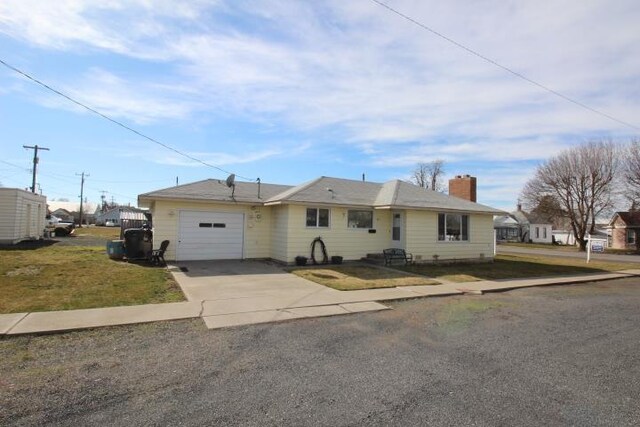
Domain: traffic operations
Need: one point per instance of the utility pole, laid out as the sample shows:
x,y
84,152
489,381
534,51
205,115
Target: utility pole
x,y
35,149
103,197
83,175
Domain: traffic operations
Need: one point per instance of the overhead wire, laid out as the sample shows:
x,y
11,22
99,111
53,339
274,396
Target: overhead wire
x,y
58,177
118,123
505,68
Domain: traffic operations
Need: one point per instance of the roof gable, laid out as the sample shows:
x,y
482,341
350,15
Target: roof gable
x,y
326,190
630,218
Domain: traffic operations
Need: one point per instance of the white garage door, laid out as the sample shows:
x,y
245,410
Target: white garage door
x,y
210,235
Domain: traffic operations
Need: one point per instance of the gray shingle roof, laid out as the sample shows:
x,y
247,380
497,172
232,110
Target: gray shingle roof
x,y
407,195
325,191
528,218
343,192
215,189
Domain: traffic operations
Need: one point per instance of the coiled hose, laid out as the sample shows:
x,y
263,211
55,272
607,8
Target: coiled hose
x,y
325,257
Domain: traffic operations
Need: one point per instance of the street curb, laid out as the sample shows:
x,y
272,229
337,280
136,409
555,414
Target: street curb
x,y
16,327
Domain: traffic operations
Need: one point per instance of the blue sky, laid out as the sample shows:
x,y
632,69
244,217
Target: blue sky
x,y
291,90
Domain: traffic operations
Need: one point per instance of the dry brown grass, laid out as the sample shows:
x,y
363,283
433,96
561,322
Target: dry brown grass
x,y
355,277
71,277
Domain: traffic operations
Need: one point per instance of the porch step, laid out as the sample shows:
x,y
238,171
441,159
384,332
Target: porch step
x,y
374,259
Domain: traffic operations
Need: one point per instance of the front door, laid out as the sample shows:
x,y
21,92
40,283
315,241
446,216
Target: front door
x,y
397,232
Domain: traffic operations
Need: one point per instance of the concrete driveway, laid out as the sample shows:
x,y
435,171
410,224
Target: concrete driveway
x,y
236,293
230,280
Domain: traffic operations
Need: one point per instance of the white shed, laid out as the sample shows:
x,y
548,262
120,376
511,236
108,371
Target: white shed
x,y
22,215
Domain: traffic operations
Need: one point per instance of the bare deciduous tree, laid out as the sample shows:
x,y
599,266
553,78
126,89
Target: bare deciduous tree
x,y
580,180
429,175
632,170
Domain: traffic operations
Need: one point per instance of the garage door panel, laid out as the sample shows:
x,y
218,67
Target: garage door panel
x,y
210,235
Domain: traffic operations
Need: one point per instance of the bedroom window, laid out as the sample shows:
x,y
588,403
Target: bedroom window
x,y
453,227
360,219
317,217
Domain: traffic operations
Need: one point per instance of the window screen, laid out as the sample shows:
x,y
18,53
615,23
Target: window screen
x,y
453,227
317,217
360,219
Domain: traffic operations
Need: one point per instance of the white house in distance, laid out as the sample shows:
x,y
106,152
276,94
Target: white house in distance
x,y
507,228
208,220
116,215
22,215
534,228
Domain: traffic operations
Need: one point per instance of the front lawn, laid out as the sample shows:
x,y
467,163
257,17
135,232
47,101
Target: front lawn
x,y
109,233
568,248
71,277
513,267
355,277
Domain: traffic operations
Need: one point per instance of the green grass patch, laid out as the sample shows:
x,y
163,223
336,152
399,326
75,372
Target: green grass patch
x,y
355,277
71,277
108,233
513,267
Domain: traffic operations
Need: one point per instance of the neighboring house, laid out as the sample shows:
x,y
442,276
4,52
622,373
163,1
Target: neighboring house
x,y
73,211
207,220
624,227
22,215
119,214
533,228
507,228
564,237
63,215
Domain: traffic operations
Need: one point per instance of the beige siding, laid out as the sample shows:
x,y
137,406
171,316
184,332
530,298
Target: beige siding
x,y
257,225
21,215
351,244
279,232
422,237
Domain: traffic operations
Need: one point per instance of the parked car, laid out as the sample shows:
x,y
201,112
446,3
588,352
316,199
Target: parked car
x,y
109,224
60,227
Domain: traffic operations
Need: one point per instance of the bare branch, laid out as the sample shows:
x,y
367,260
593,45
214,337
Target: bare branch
x,y
580,181
429,175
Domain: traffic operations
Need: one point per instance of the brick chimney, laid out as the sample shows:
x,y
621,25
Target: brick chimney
x,y
463,186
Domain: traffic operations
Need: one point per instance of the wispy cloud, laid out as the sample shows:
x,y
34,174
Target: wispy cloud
x,y
391,90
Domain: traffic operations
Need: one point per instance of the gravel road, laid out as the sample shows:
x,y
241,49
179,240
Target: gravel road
x,y
543,356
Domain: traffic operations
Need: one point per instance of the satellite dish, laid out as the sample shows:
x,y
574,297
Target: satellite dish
x,y
231,180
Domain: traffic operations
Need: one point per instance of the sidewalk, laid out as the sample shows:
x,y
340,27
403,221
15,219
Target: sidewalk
x,y
268,308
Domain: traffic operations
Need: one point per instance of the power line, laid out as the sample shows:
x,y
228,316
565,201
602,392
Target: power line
x,y
116,122
505,68
16,166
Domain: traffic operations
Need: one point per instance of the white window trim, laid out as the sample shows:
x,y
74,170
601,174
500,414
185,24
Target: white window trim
x,y
373,219
445,226
317,217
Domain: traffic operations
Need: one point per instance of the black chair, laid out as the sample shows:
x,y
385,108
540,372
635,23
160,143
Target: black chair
x,y
157,255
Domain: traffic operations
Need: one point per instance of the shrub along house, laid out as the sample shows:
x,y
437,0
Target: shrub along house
x,y
208,220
